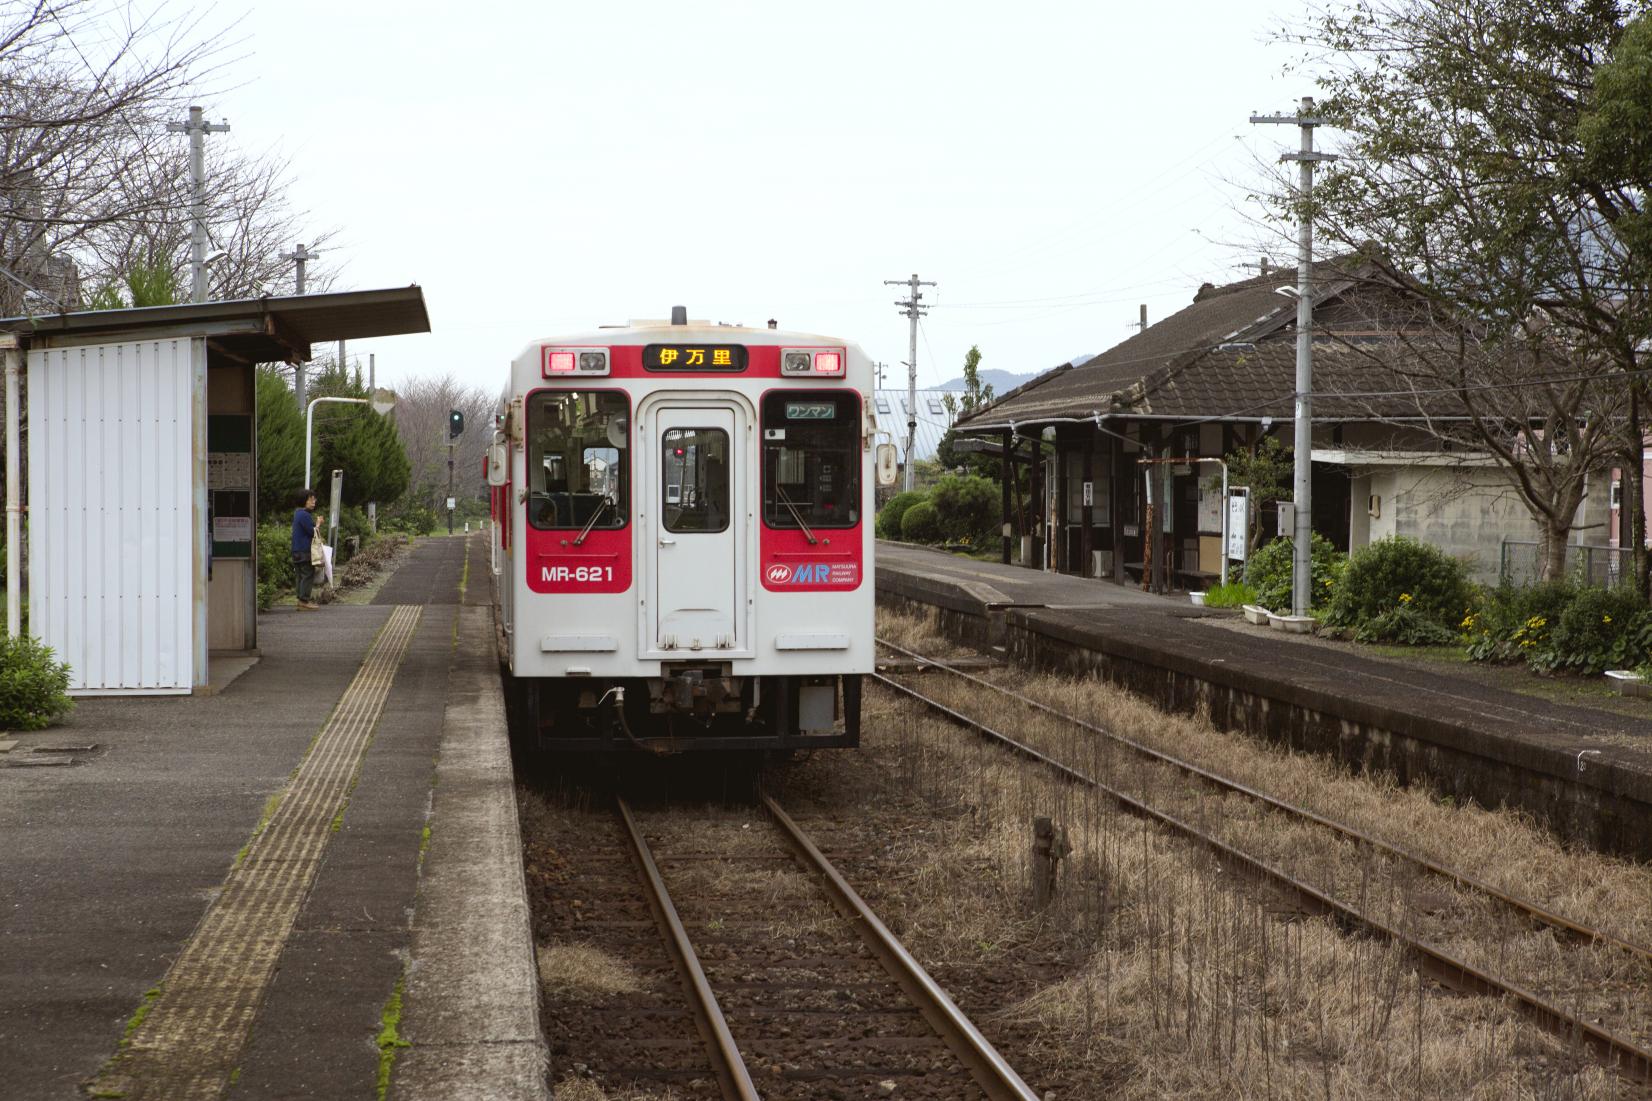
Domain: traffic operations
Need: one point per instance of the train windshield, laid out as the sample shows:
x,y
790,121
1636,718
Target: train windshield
x,y
579,472
811,459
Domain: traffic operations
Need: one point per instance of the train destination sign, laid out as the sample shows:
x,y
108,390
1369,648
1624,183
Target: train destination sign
x,y
694,357
810,410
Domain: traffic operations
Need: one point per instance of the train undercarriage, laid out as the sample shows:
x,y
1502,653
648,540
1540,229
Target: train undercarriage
x,y
691,707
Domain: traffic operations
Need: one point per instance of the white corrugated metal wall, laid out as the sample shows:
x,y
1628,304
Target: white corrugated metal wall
x,y
111,512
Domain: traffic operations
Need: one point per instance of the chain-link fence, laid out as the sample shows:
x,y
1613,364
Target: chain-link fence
x,y
1586,563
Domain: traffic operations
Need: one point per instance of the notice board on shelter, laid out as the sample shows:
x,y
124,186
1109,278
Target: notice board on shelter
x,y
231,485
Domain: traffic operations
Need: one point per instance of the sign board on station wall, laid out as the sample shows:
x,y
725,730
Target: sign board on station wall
x,y
1238,525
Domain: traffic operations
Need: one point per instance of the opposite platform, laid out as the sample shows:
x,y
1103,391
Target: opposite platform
x,y
1586,772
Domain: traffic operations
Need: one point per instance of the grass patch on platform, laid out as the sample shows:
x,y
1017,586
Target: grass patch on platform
x,y
389,1040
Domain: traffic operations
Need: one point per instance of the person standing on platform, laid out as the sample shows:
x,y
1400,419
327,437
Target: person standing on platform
x,y
303,542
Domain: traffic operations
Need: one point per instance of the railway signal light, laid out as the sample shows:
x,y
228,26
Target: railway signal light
x,y
455,424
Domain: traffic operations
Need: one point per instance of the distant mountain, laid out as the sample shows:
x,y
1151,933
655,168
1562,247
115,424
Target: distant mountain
x,y
1002,382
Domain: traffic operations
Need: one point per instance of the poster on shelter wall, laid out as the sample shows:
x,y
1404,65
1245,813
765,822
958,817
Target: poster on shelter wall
x,y
1210,506
1100,497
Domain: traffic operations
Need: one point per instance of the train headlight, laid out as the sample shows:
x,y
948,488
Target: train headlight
x,y
796,363
593,362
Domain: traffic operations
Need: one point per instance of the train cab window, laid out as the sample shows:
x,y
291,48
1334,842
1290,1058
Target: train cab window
x,y
578,474
811,460
695,478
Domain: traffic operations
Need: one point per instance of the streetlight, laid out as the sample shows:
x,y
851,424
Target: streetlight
x,y
382,402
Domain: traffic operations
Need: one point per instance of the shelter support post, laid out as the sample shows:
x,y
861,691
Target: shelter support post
x,y
1007,475
14,485
1087,515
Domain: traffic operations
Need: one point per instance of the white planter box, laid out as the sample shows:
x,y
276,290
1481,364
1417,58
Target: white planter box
x,y
1197,598
1256,615
1629,683
1294,624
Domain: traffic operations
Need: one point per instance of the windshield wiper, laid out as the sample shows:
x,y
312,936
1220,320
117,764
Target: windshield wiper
x,y
798,516
579,539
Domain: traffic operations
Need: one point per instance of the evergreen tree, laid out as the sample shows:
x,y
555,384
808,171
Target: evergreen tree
x,y
280,443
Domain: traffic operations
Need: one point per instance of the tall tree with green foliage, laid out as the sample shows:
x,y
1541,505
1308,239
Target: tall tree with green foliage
x,y
280,442
975,394
355,439
1464,179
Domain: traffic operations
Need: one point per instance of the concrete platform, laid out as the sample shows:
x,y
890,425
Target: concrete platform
x,y
112,867
1587,773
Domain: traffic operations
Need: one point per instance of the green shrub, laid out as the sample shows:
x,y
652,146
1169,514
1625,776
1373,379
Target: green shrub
x,y
1407,625
1269,573
275,563
1513,622
1395,574
889,519
968,507
352,523
34,685
1231,595
410,519
921,524
1600,629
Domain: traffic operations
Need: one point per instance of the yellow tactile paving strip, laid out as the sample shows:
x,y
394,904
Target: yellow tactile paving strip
x,y
190,1042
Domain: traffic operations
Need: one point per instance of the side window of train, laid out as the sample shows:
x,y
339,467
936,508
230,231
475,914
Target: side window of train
x,y
695,479
578,466
811,459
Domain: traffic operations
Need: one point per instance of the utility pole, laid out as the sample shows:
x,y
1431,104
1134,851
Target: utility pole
x,y
878,369
1139,325
197,128
1303,531
913,311
300,256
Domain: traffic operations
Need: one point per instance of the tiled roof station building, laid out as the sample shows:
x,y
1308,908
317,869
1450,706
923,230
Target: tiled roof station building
x,y
1219,376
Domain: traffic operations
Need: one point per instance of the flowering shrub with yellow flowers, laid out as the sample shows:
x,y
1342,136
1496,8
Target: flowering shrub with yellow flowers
x,y
1561,627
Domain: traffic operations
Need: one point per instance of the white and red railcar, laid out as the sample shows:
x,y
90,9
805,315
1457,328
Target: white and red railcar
x,y
684,536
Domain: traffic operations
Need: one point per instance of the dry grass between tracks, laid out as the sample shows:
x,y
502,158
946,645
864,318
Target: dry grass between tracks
x,y
584,969
1197,986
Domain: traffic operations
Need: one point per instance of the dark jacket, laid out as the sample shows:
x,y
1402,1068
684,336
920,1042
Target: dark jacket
x,y
303,532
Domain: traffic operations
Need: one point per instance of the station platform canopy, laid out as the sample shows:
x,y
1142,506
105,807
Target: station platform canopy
x,y
253,330
142,481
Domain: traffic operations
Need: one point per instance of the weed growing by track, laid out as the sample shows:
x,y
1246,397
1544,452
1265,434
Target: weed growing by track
x,y
1193,984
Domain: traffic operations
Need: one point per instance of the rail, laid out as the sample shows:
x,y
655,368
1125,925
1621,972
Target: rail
x,y
1624,1056
726,1060
985,1065
989,1069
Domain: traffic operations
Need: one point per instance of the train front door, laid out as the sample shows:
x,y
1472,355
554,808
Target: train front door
x,y
698,497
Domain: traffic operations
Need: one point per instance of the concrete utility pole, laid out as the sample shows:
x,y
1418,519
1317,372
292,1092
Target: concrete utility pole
x,y
913,311
1139,325
300,256
1303,532
197,128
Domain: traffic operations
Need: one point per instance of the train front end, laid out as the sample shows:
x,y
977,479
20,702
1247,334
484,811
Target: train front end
x,y
685,538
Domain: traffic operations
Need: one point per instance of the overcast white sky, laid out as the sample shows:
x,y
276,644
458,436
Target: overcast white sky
x,y
548,167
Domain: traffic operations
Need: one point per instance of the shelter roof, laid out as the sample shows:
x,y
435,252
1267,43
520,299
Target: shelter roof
x,y
258,330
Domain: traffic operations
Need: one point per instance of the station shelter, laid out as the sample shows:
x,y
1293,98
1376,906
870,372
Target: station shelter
x,y
141,476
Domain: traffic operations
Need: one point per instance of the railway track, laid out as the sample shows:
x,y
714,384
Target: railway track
x,y
1344,892
835,1009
